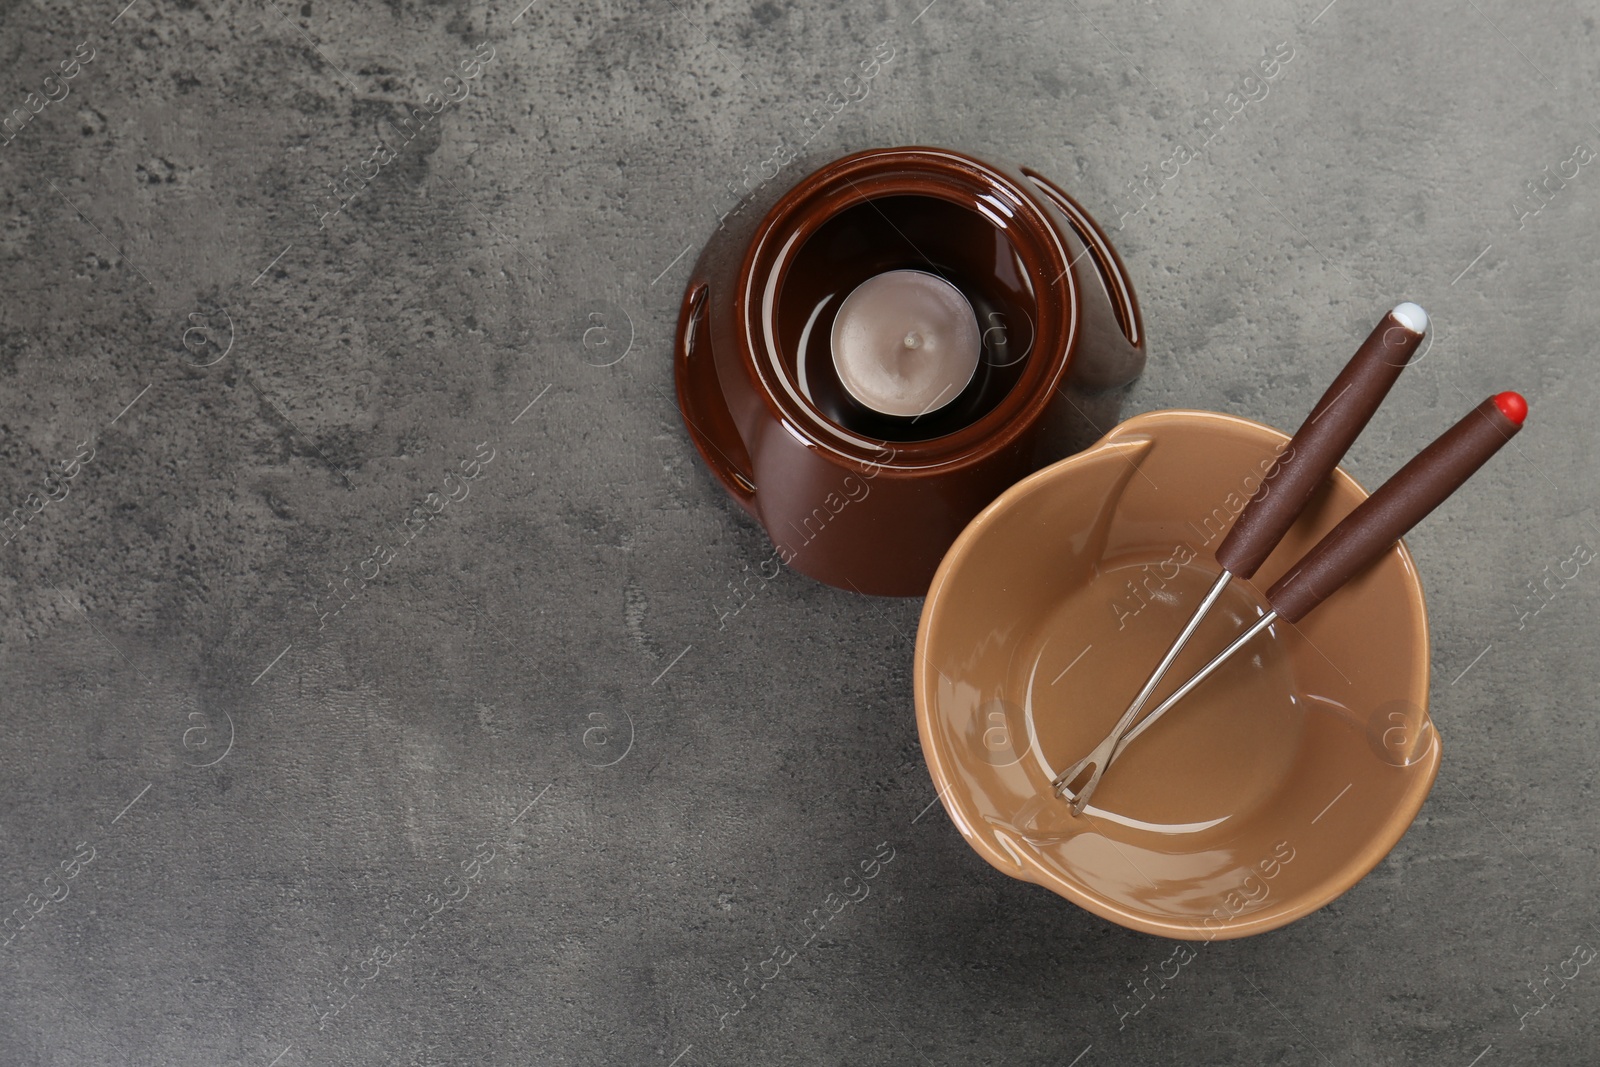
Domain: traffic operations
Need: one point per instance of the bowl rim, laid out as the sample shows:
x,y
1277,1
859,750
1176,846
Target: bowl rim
x,y
912,170
1357,867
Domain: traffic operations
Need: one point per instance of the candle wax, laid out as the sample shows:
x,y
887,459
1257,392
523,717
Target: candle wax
x,y
905,342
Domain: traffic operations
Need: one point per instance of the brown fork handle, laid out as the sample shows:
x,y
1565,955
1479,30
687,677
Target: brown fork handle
x,y
1399,504
1319,444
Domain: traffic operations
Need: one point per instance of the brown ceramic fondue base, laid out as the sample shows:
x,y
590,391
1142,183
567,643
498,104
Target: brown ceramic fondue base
x,y
1272,789
866,501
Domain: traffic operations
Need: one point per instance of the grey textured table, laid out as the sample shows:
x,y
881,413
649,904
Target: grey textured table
x,y
538,792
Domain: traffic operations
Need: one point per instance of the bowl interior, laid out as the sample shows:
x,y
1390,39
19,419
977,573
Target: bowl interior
x,y
969,247
1271,789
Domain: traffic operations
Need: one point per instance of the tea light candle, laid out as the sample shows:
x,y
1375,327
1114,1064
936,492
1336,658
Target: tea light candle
x,y
905,342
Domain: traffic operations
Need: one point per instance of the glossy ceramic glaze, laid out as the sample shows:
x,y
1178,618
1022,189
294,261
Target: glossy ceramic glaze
x,y
849,496
1272,789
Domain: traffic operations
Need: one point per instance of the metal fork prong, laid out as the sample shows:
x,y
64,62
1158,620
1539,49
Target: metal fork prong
x,y
1068,776
1082,798
1182,691
1062,780
1102,753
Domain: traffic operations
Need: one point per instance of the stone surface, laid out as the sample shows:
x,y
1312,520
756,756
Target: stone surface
x,y
253,795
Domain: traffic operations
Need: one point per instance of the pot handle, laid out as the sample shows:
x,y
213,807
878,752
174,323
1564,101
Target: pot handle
x,y
703,406
1110,360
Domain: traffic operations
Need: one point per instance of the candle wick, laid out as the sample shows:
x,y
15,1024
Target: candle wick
x,y
913,341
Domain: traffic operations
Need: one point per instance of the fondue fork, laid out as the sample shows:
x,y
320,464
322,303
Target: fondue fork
x,y
1365,534
1311,455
